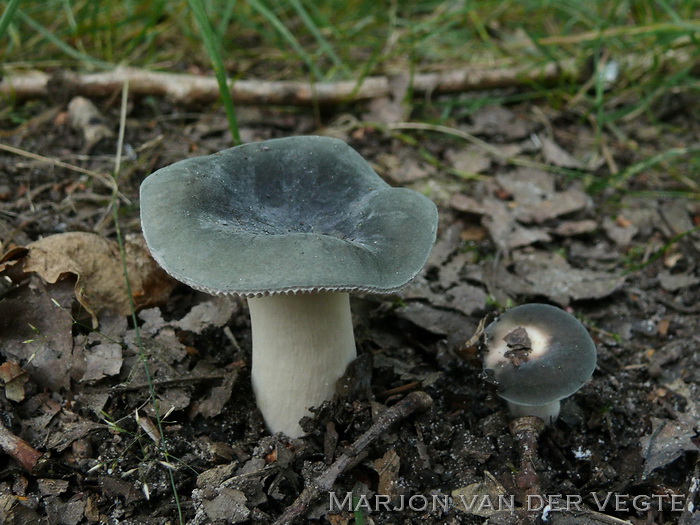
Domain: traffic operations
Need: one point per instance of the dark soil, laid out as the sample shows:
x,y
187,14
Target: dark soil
x,y
622,257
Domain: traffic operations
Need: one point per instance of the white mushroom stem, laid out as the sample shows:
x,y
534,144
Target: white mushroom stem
x,y
302,344
547,413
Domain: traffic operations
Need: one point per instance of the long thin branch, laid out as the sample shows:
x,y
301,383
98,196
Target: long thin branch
x,y
187,89
413,402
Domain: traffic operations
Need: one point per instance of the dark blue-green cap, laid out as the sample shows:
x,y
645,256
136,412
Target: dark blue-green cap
x,y
559,360
288,215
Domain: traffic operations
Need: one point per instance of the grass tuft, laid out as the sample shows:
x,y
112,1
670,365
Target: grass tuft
x,y
7,16
211,42
653,44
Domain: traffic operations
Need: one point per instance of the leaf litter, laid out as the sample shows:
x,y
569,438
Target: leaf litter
x,y
75,383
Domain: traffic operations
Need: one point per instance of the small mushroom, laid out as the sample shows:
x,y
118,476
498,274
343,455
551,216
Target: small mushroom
x,y
538,354
294,225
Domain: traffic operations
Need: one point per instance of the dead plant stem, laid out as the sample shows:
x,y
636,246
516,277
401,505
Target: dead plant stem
x,y
414,402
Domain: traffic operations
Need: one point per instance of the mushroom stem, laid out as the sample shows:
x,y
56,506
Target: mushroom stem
x,y
302,344
547,413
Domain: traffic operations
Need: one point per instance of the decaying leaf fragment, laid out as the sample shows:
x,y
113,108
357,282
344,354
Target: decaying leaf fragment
x,y
104,359
485,498
85,117
666,443
218,397
97,265
388,469
516,206
36,330
228,504
556,155
550,275
14,378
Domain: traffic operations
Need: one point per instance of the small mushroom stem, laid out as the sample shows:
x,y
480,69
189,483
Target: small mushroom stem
x,y
526,430
547,413
302,344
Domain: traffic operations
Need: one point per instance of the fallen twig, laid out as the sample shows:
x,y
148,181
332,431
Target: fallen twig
x,y
18,449
414,402
180,381
185,89
188,89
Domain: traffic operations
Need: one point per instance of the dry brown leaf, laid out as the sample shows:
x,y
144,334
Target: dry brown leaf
x,y
59,439
228,505
388,469
480,498
466,298
555,154
15,378
36,331
102,360
96,263
535,198
453,325
677,281
173,398
676,218
618,232
467,204
52,487
573,228
115,487
505,230
403,168
497,121
70,512
471,159
666,443
513,204
550,275
150,285
212,312
218,397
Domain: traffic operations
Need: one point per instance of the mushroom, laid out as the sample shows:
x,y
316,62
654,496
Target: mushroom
x,y
538,354
294,225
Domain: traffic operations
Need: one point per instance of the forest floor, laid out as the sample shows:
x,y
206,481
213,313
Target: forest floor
x,y
535,206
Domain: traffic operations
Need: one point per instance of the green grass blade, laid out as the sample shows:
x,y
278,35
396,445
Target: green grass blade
x,y
225,17
211,43
286,35
68,50
316,32
616,181
132,305
7,16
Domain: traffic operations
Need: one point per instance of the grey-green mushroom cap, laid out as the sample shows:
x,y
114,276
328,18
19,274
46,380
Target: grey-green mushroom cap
x,y
561,359
289,215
